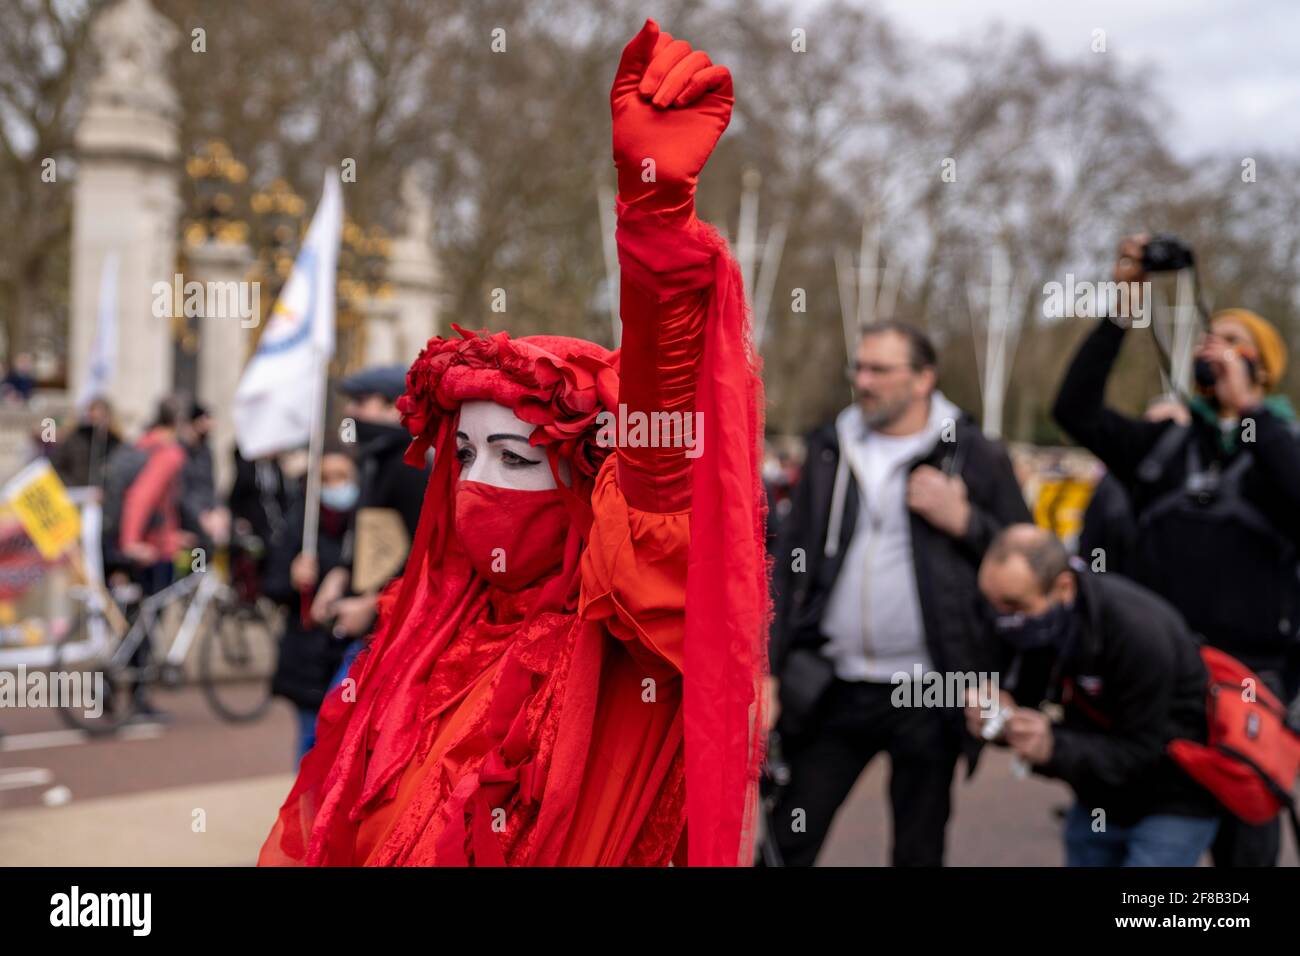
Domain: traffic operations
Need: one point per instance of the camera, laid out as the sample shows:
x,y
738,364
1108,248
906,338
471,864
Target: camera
x,y
1205,376
993,726
1165,253
1204,373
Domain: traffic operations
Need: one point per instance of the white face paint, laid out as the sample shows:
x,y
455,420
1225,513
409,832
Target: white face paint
x,y
492,447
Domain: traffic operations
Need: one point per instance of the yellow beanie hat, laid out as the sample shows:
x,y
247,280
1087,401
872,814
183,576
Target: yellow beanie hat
x,y
1269,344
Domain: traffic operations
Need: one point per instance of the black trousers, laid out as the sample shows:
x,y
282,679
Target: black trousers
x,y
853,723
1246,844
152,579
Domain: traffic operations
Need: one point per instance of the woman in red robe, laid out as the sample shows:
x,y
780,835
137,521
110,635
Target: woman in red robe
x,y
568,672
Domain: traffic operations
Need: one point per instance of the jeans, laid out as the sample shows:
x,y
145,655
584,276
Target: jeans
x,y
306,731
152,578
349,655
307,718
1161,839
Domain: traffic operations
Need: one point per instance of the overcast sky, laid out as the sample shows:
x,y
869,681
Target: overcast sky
x,y
1230,70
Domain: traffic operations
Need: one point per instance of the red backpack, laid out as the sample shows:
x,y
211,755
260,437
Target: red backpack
x,y
1252,758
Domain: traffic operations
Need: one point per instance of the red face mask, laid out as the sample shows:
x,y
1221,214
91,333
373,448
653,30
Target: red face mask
x,y
513,538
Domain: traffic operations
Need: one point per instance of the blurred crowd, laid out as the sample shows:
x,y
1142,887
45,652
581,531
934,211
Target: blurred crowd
x,y
160,509
1150,660
18,380
1134,634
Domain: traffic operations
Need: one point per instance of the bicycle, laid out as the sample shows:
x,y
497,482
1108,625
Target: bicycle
x,y
237,646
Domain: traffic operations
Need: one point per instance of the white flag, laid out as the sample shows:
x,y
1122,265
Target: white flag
x,y
103,351
274,406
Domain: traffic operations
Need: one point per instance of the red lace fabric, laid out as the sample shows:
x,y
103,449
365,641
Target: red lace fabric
x,y
728,610
553,725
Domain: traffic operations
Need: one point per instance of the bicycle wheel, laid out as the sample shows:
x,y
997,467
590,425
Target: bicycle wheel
x,y
237,656
104,702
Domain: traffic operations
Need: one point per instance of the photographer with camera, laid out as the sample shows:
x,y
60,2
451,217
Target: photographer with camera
x,y
1217,500
1120,666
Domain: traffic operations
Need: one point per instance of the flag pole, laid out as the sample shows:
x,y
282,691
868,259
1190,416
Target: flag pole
x,y
315,451
322,348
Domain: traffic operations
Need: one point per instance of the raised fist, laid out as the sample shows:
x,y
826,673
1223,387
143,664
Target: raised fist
x,y
670,105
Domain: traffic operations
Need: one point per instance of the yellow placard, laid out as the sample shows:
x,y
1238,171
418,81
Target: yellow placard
x,y
41,503
1061,504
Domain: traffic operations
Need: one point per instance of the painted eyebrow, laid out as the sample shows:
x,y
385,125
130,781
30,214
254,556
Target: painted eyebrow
x,y
498,437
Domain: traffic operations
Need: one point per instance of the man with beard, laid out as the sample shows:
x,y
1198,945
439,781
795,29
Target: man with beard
x,y
388,508
876,582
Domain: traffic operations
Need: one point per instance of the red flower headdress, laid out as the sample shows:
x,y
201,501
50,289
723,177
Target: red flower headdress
x,y
560,385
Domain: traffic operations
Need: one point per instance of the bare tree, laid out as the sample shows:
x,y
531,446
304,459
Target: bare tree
x,y
504,102
43,61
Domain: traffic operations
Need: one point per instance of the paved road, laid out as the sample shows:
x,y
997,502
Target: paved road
x,y
998,820
198,790
195,748
132,799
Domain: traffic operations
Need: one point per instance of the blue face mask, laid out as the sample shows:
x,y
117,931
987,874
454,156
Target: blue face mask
x,y
1025,632
340,497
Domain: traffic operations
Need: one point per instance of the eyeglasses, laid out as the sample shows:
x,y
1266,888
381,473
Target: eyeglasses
x,y
854,369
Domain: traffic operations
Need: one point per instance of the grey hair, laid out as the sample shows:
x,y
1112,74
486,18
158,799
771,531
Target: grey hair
x,y
1042,551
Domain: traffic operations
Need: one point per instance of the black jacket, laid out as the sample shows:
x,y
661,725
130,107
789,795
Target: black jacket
x,y
1218,576
309,655
1129,680
387,481
198,487
1109,528
945,567
260,496
81,458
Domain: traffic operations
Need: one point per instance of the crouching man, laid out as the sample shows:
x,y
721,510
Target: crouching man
x,y
1102,674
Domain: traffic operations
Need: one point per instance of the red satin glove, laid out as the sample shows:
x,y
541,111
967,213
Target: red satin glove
x,y
669,105
663,343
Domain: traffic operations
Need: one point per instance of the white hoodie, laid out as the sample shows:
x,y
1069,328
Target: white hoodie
x,y
873,615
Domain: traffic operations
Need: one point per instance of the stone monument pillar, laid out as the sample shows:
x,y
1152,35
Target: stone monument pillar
x,y
223,345
384,345
415,276
126,201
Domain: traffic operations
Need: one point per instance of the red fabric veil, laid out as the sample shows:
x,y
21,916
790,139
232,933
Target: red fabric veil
x,y
369,730
727,602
